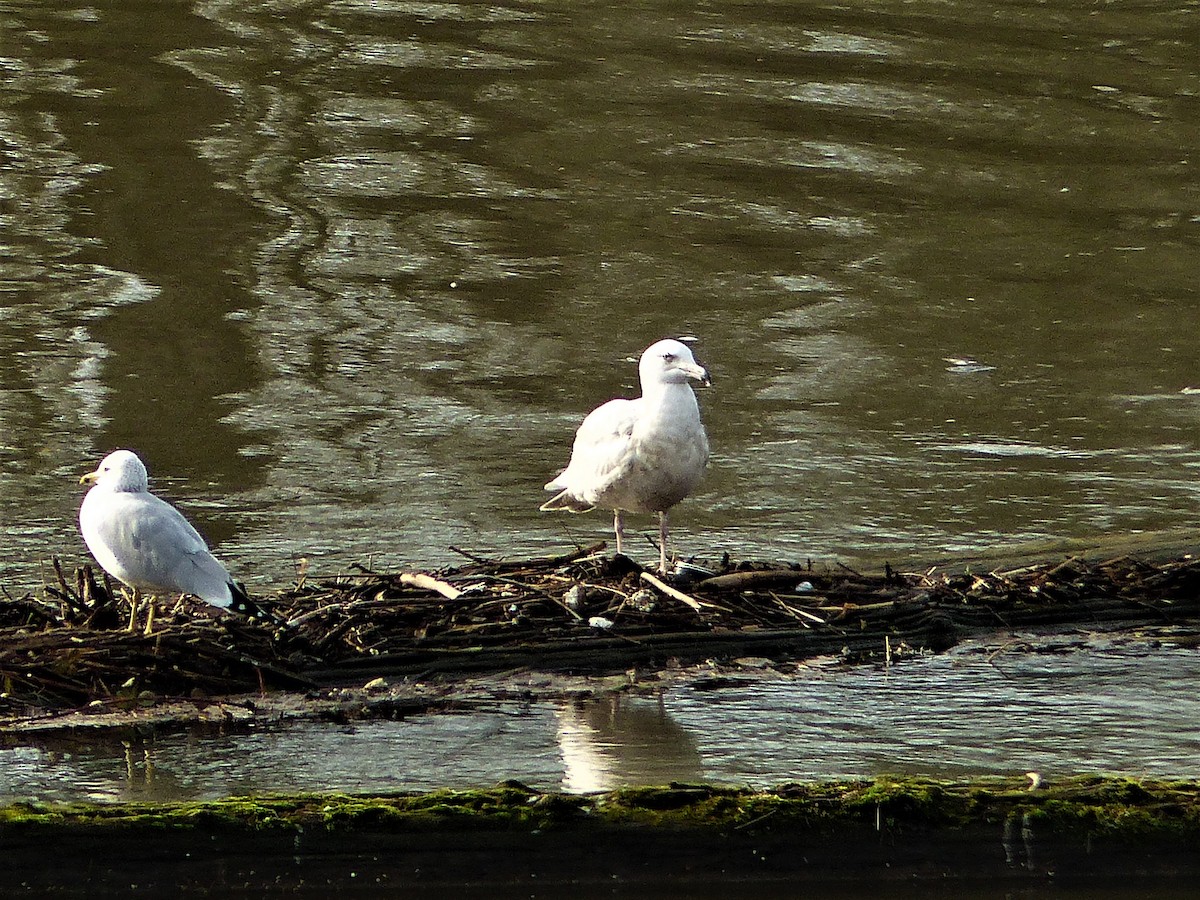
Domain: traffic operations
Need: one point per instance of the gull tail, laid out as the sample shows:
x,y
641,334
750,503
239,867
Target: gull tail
x,y
565,500
242,603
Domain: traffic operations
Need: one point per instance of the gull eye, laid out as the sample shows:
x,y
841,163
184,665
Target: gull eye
x,y
669,357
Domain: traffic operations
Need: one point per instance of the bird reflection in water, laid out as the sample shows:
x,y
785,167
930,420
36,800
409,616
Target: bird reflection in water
x,y
619,740
143,779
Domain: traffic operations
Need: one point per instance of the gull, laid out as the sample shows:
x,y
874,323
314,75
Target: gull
x,y
642,455
147,544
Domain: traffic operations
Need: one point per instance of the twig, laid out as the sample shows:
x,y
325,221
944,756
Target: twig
x,y
695,604
473,557
429,583
564,558
787,609
69,596
796,613
322,610
756,820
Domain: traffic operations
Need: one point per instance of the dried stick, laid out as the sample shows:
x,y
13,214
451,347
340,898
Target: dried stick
x,y
664,588
429,583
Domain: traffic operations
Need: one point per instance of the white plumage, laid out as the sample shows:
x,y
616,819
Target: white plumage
x,y
642,455
146,543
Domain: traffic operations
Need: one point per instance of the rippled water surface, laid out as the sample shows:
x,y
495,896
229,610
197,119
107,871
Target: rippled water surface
x,y
349,273
978,711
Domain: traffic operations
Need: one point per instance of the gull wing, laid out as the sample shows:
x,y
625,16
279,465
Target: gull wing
x,y
601,453
147,543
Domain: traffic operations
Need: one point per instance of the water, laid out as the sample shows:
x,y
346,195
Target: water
x,y
1118,708
348,274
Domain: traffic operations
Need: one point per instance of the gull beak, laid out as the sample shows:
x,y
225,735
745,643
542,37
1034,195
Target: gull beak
x,y
699,373
89,478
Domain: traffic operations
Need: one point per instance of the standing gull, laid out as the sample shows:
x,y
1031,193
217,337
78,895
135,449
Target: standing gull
x,y
642,455
146,543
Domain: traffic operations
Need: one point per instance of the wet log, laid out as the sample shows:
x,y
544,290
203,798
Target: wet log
x,y
1006,833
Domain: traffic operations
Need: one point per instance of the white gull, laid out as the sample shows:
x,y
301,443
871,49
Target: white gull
x,y
146,543
642,455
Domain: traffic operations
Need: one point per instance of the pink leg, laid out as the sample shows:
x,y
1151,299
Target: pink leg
x,y
619,529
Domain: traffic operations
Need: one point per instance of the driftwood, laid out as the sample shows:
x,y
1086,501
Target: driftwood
x,y
70,645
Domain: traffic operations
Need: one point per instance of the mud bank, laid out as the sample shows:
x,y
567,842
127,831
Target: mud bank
x,y
1009,830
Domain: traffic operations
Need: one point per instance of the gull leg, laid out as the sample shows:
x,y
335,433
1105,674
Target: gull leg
x,y
135,600
149,617
619,529
662,543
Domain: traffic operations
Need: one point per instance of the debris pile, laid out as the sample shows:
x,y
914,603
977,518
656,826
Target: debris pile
x,y
75,644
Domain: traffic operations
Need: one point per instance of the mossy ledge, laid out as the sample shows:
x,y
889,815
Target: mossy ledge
x,y
887,829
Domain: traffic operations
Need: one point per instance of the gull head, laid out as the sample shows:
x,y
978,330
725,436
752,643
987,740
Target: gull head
x,y
670,362
121,470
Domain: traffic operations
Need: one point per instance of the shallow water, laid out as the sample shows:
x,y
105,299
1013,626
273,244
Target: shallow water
x,y
1123,707
349,273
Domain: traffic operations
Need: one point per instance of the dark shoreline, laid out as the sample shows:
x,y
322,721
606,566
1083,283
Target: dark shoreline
x,y
1083,830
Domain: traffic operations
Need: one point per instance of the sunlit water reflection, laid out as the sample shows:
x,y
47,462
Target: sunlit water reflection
x,y
1128,709
348,274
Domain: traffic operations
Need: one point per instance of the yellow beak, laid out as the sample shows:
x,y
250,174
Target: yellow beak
x,y
89,478
699,373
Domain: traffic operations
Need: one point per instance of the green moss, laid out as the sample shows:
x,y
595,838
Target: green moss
x,y
1119,808
1127,810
